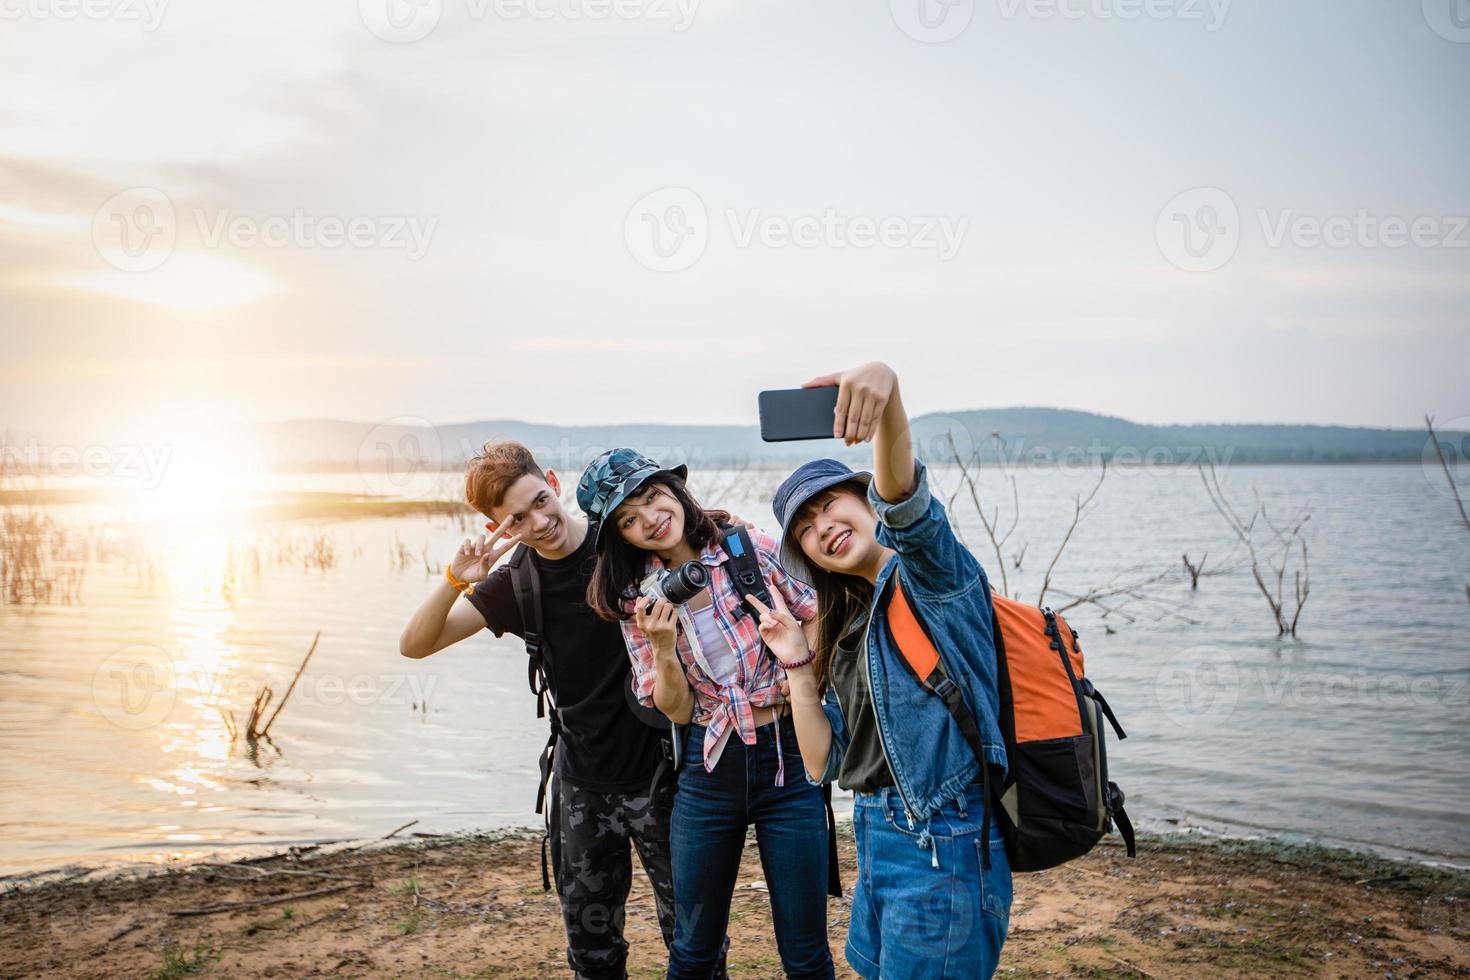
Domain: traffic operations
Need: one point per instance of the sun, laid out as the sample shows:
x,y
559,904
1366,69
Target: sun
x,y
196,482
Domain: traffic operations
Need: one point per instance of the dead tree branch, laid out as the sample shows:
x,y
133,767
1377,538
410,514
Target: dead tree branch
x,y
1080,505
1262,567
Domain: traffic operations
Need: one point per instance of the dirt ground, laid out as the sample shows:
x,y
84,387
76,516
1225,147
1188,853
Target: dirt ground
x,y
473,907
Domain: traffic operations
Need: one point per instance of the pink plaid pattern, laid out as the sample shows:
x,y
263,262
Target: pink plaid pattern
x,y
720,706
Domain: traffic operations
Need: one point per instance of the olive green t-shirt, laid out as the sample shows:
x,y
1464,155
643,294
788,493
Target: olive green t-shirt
x,y
864,769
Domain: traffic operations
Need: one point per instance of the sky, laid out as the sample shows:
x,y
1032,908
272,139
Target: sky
x,y
578,211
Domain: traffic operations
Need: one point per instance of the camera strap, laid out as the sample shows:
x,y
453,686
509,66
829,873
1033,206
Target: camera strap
x,y
747,575
747,567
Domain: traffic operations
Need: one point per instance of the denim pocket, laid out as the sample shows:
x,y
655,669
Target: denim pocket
x,y
947,822
995,881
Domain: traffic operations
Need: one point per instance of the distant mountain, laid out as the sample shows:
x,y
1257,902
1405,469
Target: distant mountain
x,y
1012,434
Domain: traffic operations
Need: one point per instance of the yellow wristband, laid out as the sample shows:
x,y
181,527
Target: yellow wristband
x,y
463,588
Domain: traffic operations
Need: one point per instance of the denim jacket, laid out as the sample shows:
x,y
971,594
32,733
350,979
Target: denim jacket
x,y
949,593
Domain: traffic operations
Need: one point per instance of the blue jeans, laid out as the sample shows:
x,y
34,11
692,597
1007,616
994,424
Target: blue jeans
x,y
707,835
911,918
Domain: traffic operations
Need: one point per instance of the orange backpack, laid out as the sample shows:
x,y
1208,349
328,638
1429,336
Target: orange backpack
x,y
1056,801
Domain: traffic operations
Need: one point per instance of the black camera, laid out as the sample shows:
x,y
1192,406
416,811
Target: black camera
x,y
678,585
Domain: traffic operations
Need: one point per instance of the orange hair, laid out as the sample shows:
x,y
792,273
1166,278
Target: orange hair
x,y
494,470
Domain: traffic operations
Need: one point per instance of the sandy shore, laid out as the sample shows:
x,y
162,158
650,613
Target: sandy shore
x,y
473,907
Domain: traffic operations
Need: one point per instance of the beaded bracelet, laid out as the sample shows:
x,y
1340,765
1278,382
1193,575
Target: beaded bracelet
x,y
811,655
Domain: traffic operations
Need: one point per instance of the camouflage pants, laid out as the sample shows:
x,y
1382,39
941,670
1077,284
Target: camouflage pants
x,y
591,834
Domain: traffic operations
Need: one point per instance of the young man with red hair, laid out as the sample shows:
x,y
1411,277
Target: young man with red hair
x,y
606,792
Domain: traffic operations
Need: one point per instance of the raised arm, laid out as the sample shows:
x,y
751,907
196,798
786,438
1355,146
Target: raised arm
x,y
446,617
911,521
869,407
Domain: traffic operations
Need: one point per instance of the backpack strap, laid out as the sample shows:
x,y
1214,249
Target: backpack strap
x,y
526,582
920,656
1120,817
834,873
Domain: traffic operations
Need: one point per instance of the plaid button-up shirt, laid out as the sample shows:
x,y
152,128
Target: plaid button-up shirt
x,y
725,708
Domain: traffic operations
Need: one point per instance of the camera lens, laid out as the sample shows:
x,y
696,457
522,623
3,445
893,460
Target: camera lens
x,y
685,582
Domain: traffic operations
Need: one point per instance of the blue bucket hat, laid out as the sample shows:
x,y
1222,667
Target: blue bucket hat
x,y
610,478
806,482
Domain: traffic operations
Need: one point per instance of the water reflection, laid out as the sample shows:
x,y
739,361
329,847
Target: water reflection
x,y
361,747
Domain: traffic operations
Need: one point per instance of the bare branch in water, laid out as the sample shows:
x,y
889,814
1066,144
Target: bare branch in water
x,y
985,520
1195,571
1079,506
1288,538
1450,479
284,698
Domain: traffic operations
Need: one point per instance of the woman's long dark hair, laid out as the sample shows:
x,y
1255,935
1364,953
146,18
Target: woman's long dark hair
x,y
842,601
620,565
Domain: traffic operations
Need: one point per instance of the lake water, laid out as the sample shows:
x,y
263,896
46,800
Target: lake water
x,y
114,749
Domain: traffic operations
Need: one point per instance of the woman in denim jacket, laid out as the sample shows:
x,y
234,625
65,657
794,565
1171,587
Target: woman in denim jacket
x,y
703,665
934,888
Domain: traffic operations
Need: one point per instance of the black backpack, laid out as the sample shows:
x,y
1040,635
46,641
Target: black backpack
x,y
525,580
1056,801
526,583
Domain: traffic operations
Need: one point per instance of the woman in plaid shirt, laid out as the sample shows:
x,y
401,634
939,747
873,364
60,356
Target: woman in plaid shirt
x,y
705,666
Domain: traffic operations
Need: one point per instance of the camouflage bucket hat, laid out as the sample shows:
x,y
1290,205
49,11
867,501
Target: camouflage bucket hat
x,y
610,478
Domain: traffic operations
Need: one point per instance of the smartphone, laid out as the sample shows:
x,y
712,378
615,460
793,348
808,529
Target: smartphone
x,y
789,414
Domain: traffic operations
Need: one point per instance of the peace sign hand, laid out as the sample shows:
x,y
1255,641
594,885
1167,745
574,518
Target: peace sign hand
x,y
780,630
475,558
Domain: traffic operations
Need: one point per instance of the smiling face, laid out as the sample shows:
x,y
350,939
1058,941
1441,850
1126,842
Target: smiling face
x,y
651,518
837,531
532,509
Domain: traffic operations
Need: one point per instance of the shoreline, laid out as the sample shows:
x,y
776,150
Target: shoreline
x,y
472,905
1197,832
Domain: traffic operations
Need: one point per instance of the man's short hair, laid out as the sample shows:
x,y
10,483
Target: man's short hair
x,y
494,470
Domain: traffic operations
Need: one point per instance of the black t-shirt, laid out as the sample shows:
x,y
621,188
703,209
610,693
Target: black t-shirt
x,y
864,768
604,747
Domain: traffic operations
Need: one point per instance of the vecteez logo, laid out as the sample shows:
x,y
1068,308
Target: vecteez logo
x,y
1450,19
406,21
1199,230
932,21
1209,13
669,229
135,687
135,230
148,14
1198,687
402,458
400,21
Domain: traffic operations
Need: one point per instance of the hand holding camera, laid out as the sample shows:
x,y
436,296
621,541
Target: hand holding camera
x,y
659,621
662,593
